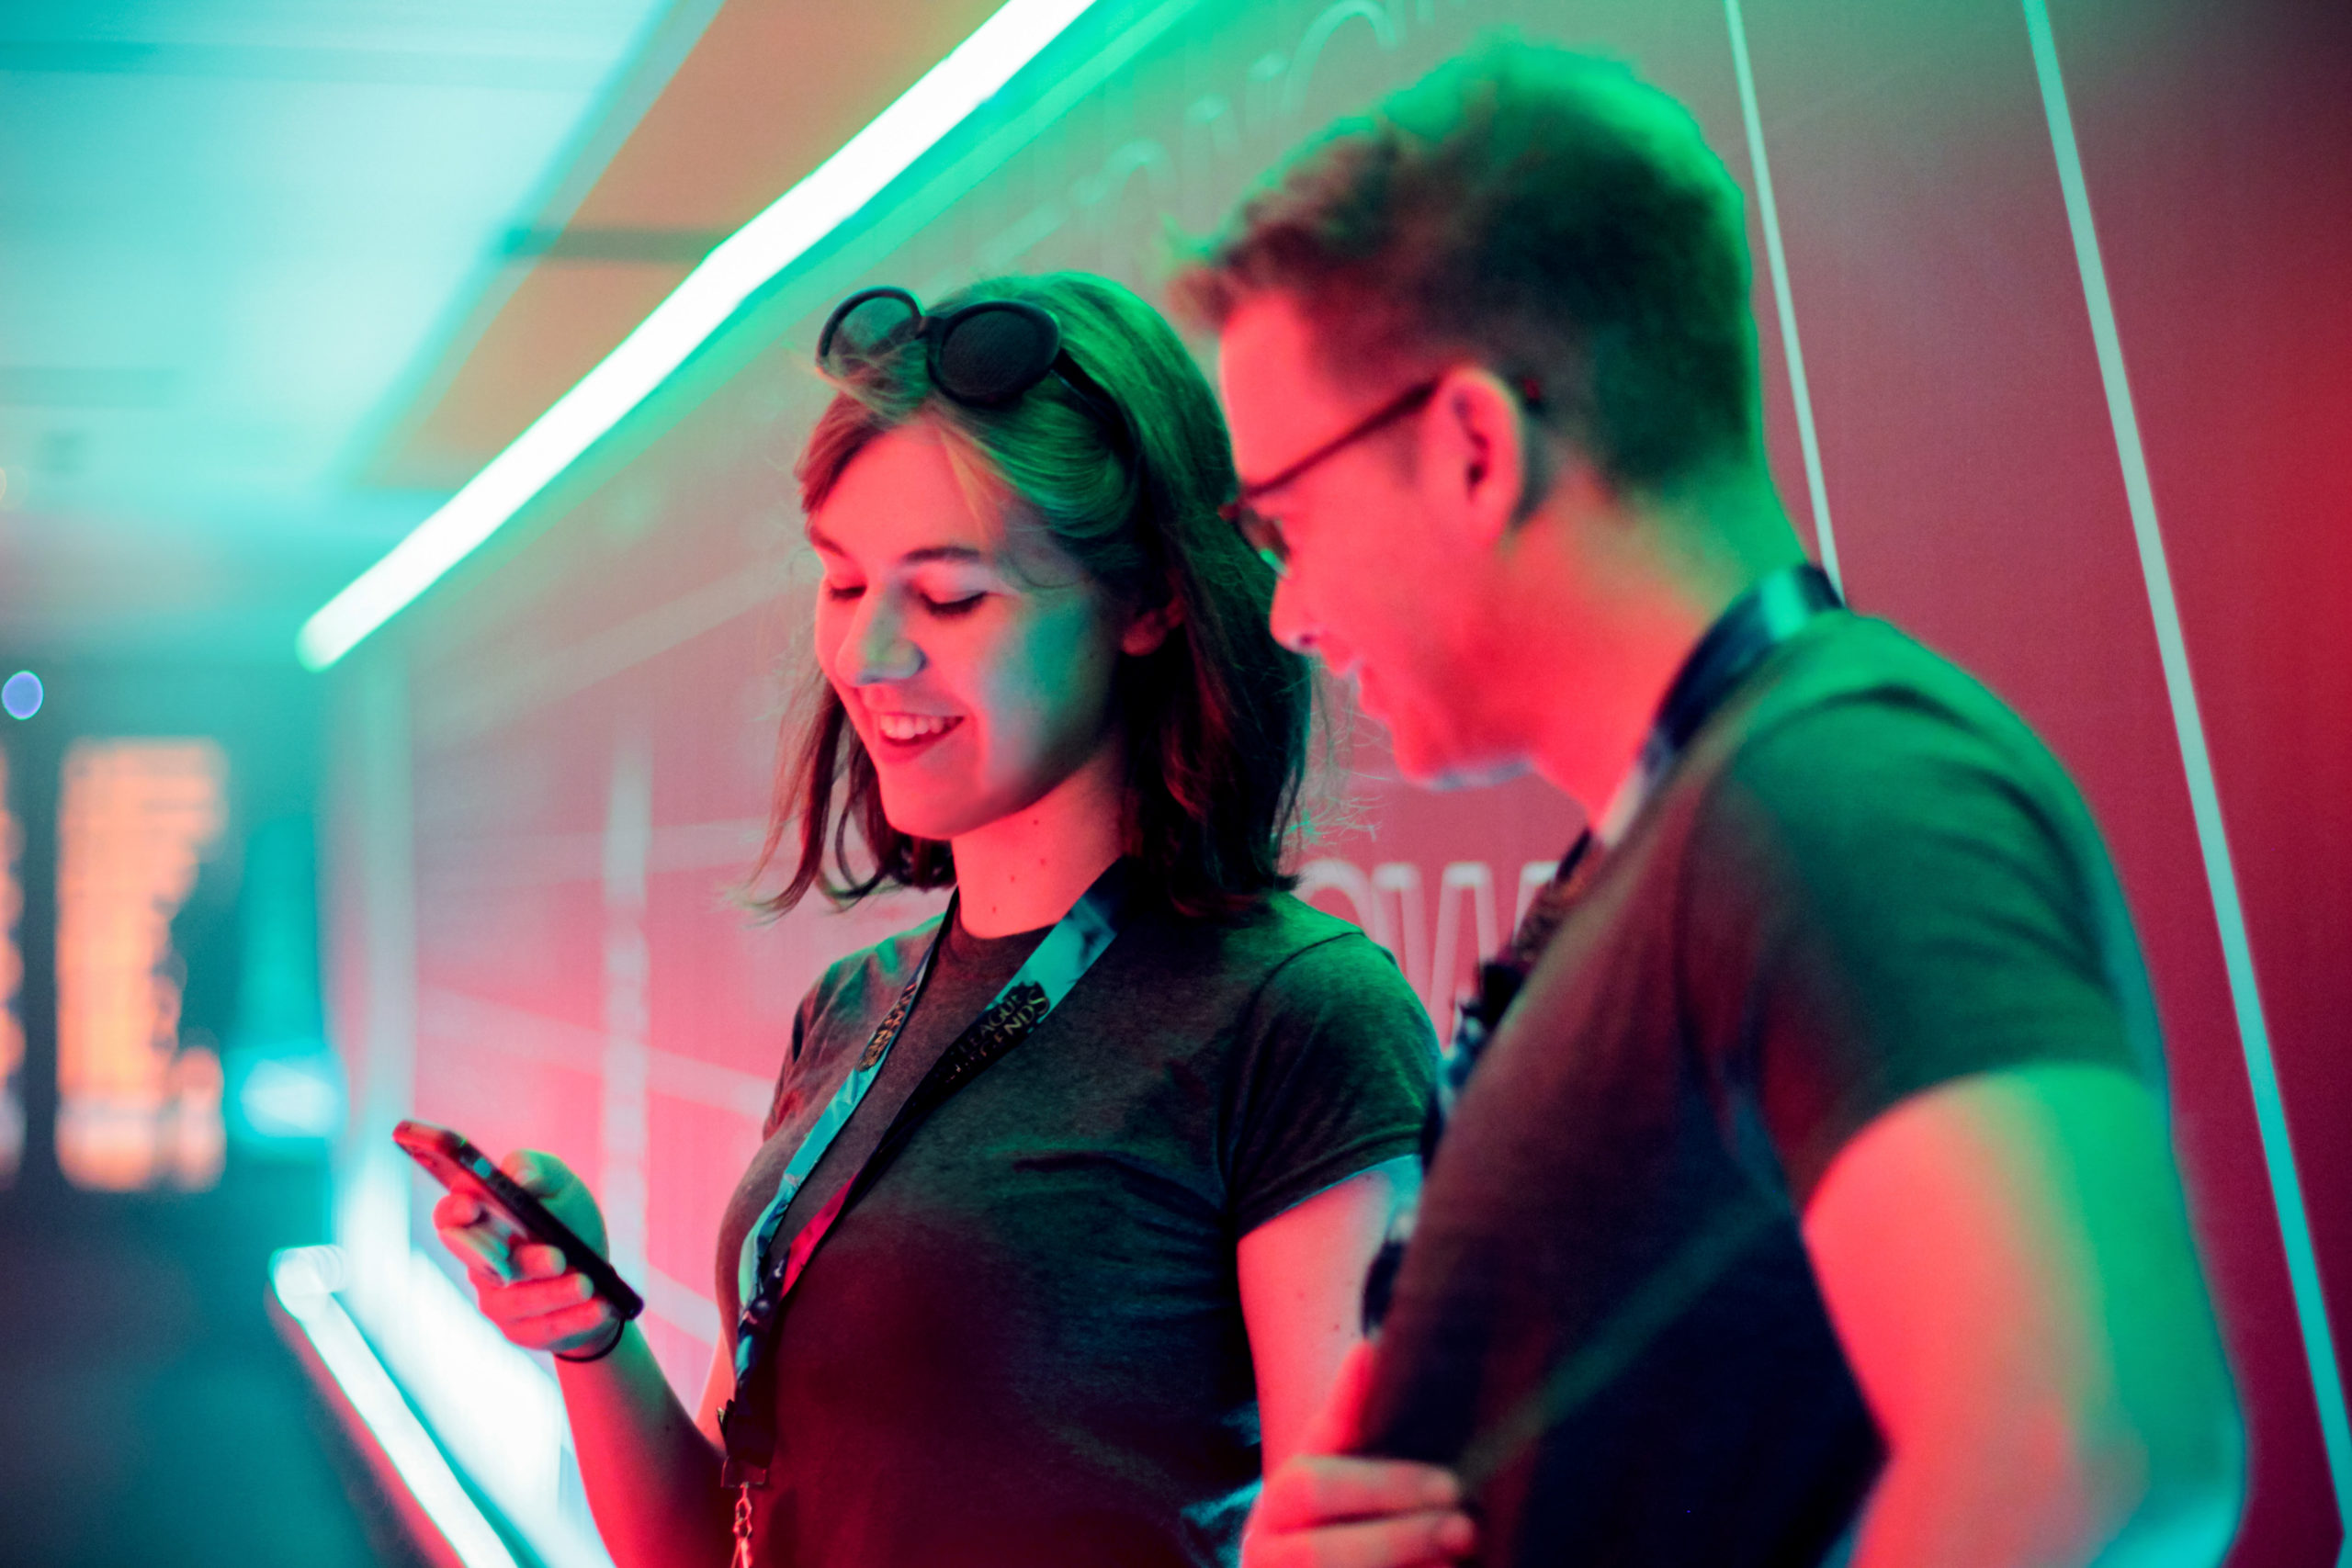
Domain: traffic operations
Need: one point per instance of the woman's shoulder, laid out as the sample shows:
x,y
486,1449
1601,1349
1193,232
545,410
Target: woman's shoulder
x,y
862,985
839,1012
1283,947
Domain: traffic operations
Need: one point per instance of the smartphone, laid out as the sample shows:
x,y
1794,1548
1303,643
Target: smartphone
x,y
513,1212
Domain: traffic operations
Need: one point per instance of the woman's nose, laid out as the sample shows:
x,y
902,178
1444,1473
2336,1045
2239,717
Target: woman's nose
x,y
884,652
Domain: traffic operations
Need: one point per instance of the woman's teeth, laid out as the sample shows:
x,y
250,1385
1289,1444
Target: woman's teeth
x,y
911,725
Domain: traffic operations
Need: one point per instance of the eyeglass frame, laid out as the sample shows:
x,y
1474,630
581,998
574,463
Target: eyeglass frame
x,y
1264,534
932,332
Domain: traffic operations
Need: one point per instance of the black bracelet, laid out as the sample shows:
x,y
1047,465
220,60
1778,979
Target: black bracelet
x,y
620,1332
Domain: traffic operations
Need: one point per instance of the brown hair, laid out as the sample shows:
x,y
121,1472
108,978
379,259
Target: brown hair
x,y
1215,717
1541,213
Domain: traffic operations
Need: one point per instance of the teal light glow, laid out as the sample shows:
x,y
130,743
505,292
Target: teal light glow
x,y
828,196
304,1280
1783,299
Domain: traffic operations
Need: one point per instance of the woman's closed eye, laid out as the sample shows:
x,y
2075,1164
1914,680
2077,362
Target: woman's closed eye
x,y
944,599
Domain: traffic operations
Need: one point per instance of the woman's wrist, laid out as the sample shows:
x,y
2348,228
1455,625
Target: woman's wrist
x,y
620,1332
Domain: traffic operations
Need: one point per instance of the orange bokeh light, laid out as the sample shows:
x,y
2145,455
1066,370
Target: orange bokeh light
x,y
135,1108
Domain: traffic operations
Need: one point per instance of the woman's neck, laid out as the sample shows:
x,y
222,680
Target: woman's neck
x,y
1026,869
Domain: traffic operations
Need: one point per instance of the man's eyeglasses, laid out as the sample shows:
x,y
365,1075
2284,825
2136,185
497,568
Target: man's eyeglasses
x,y
1264,534
984,355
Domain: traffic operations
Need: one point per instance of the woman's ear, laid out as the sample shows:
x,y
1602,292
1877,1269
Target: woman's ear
x,y
1149,628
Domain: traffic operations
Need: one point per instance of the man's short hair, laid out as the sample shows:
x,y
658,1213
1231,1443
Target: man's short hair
x,y
1542,212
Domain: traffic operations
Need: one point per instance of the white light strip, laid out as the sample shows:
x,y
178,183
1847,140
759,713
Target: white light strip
x,y
1782,296
2204,796
294,1275
828,196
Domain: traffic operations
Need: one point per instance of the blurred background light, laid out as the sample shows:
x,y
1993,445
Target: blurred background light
x,y
138,1105
286,1100
304,1280
22,694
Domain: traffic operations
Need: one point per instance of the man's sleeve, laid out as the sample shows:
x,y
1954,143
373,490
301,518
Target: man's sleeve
x,y
1336,1074
1881,899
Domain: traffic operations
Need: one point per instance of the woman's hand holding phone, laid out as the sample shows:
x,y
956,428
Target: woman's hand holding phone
x,y
525,1287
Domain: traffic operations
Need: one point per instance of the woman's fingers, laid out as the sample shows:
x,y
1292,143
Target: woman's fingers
x,y
1334,1511
561,1313
456,1210
524,1299
1425,1540
540,1175
477,1246
1327,1488
527,1288
572,1329
567,1197
536,1260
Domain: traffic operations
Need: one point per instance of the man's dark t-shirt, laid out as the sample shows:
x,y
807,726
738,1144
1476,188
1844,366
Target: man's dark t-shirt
x,y
1024,1344
1864,878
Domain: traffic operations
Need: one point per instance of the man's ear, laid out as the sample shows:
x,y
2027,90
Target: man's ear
x,y
1149,628
1474,459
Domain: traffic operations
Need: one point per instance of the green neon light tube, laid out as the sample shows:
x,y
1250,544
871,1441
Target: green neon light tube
x,y
828,196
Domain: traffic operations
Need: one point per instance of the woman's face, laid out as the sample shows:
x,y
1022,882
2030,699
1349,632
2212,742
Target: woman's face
x,y
975,658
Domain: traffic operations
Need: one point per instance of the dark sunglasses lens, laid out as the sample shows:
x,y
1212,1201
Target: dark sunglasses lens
x,y
993,353
869,330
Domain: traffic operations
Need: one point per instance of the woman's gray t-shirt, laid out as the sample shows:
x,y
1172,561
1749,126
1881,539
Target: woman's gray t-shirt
x,y
1024,1343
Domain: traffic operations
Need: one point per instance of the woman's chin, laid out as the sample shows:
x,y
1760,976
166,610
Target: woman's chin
x,y
924,816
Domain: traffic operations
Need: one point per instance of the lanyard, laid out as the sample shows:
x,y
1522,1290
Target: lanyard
x,y
1743,637
1757,621
1756,624
1047,976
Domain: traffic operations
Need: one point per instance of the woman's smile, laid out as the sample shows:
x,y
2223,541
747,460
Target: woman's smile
x,y
902,737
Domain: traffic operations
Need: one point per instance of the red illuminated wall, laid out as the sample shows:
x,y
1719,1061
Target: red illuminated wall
x,y
553,767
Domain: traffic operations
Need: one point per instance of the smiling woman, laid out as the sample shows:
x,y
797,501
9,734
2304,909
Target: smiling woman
x,y
1079,1306
1119,504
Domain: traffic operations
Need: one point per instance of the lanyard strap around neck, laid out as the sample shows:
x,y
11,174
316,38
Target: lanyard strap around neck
x,y
1756,624
1743,637
1048,975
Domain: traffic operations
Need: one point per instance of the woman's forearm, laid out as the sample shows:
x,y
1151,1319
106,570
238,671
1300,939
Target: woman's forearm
x,y
652,1476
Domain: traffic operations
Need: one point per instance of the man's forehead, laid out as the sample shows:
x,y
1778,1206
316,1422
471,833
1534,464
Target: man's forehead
x,y
1270,371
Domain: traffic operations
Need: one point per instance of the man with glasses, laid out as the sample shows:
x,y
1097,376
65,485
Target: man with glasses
x,y
1807,1190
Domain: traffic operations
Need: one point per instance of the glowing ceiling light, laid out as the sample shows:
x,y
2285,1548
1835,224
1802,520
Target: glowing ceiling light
x,y
827,198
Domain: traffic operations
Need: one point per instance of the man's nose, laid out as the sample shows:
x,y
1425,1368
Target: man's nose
x,y
1294,626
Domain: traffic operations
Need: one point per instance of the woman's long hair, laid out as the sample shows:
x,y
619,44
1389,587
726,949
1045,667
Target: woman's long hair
x,y
1215,719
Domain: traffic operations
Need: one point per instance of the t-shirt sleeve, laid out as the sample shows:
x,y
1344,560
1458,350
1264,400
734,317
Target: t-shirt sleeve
x,y
1881,899
785,1099
1337,1067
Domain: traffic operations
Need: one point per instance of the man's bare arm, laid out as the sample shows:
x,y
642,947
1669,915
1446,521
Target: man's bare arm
x,y
2007,1261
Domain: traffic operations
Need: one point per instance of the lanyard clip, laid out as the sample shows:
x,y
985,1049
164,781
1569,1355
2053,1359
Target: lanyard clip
x,y
749,1448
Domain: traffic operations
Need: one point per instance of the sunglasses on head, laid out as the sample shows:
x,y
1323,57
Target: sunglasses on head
x,y
984,355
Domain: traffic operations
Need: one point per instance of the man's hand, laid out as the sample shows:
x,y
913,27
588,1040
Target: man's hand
x,y
1325,1509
